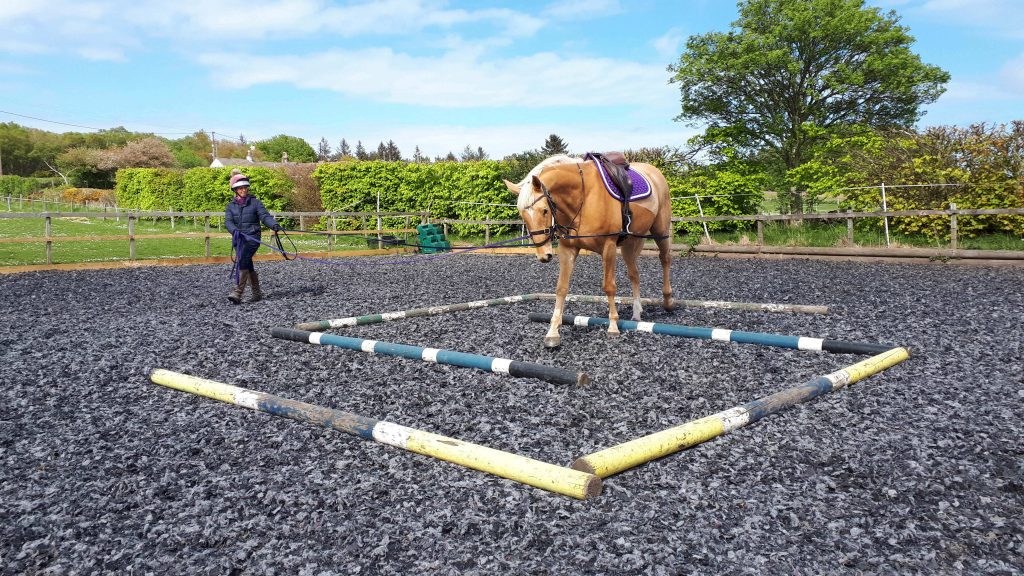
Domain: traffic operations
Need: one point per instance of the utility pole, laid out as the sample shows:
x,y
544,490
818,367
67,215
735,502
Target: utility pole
x,y
1,162
214,134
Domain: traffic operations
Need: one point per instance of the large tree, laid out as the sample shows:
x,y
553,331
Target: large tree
x,y
298,149
792,72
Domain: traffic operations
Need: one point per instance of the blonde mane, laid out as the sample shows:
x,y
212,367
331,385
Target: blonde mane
x,y
526,186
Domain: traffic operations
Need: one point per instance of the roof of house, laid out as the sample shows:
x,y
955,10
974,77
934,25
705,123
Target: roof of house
x,y
222,162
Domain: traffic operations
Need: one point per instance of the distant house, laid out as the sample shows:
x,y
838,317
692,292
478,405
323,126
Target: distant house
x,y
248,161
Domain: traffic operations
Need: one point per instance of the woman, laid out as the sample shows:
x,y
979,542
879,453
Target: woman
x,y
242,218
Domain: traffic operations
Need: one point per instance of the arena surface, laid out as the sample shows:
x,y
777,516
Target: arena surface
x,y
919,469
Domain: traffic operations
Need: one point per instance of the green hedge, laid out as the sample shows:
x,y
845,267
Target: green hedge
x,y
17,186
454,190
196,189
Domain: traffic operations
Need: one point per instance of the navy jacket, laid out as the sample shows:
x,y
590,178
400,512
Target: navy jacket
x,y
246,217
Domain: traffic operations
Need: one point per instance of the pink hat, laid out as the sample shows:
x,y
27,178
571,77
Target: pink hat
x,y
239,180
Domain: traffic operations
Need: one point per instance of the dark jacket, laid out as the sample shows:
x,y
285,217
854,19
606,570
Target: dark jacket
x,y
246,217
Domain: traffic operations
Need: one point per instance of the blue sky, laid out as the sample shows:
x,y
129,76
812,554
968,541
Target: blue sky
x,y
436,74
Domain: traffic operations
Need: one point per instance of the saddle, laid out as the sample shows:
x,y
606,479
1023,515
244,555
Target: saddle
x,y
617,168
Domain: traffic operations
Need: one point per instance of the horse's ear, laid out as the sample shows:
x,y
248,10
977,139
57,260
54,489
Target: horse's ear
x,y
513,187
537,184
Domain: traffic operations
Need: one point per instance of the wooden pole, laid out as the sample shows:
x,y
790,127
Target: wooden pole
x,y
953,232
760,232
206,229
48,230
131,237
849,228
557,479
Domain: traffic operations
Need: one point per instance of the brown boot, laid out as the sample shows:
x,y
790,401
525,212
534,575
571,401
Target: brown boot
x,y
257,294
236,293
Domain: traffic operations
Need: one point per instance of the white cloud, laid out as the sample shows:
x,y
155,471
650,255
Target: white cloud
x,y
499,141
1012,75
455,80
583,9
1002,16
667,45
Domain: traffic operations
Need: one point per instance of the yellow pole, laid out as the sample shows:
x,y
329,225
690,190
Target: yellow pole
x,y
558,479
627,455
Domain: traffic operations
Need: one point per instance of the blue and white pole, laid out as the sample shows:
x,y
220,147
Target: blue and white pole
x,y
464,359
724,335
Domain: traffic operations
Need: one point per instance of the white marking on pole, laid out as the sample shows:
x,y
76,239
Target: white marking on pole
x,y
393,315
809,343
734,418
838,379
645,326
314,337
247,399
515,298
342,322
392,434
367,345
581,321
500,365
721,334
430,354
478,304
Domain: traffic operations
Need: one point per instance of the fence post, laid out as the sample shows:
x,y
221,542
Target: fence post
x,y
8,202
487,230
797,202
206,229
760,230
703,223
131,237
953,240
172,217
885,208
49,244
849,228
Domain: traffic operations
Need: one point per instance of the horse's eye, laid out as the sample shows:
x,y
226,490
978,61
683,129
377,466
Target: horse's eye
x,y
544,212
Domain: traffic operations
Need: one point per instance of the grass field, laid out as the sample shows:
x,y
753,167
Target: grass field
x,y
819,234
28,253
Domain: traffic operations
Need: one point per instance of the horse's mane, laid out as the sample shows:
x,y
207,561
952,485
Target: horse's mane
x,y
526,186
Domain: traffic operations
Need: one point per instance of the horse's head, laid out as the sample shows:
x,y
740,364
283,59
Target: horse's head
x,y
536,214
534,206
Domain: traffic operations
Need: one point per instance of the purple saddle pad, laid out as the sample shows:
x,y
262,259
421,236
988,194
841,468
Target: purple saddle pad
x,y
641,187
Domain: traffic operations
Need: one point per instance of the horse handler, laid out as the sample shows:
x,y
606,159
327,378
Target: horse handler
x,y
243,216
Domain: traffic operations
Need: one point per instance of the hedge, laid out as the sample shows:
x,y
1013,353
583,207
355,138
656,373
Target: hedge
x,y
196,189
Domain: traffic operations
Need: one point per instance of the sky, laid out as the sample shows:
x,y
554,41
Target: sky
x,y
440,75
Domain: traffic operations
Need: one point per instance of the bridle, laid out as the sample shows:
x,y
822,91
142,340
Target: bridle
x,y
556,231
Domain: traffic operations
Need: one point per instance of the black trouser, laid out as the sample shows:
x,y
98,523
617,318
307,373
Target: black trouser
x,y
246,251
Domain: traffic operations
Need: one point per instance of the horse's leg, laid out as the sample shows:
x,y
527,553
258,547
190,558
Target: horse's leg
x,y
608,267
566,262
630,250
665,255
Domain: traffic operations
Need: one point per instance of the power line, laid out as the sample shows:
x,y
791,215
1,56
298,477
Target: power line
x,y
102,129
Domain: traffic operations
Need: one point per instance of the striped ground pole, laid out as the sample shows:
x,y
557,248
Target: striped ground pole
x,y
557,479
464,359
321,325
756,306
624,456
724,335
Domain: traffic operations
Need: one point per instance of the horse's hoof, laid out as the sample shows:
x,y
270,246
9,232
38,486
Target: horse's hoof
x,y
552,341
614,334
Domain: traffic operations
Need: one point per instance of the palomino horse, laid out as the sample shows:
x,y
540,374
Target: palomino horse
x,y
565,198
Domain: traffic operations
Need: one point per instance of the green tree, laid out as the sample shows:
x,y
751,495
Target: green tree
x,y
323,151
790,73
298,150
554,145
